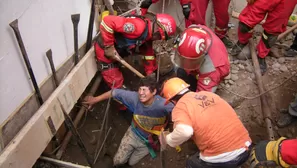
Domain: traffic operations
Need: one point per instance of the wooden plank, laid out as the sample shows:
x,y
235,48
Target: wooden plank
x,y
28,108
28,144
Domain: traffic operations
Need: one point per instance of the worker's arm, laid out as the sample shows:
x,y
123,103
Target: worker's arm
x,y
180,134
183,129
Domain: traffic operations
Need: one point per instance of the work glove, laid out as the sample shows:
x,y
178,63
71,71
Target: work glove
x,y
146,4
186,10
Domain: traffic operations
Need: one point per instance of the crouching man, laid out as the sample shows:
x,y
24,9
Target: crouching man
x,y
211,122
150,115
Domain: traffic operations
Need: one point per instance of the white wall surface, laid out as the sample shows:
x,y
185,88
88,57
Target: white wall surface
x,y
44,24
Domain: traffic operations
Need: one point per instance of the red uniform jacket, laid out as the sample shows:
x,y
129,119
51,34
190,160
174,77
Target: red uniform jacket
x,y
130,28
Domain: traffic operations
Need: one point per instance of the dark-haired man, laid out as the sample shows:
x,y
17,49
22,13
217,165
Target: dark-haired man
x,y
149,116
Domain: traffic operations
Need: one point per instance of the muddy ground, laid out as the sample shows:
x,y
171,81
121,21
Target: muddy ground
x,y
245,101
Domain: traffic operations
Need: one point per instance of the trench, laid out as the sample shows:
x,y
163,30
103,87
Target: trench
x,y
248,110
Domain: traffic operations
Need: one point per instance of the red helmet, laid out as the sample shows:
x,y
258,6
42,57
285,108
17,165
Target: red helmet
x,y
166,25
193,45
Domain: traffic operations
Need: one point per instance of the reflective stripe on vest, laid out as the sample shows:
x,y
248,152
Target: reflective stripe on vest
x,y
149,58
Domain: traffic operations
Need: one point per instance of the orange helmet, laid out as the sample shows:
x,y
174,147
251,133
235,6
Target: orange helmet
x,y
193,45
172,87
166,25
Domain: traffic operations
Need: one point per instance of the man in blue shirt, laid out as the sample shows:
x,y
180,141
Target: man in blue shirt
x,y
149,116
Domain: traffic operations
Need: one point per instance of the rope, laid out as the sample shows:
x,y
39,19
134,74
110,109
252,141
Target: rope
x,y
273,88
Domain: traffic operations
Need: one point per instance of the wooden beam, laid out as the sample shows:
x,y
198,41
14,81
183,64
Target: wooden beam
x,y
28,144
62,163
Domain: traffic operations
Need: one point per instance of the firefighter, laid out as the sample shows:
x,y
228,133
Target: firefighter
x,y
195,12
126,35
203,55
278,12
149,117
282,152
211,122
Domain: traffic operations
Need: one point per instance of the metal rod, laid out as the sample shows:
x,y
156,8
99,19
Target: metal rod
x,y
79,115
49,56
90,28
75,19
264,105
96,156
104,123
71,127
61,163
15,27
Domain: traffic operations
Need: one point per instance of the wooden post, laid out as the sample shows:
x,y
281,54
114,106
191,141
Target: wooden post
x,y
264,104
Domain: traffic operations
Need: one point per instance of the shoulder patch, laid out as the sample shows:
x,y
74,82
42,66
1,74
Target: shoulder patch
x,y
129,27
206,81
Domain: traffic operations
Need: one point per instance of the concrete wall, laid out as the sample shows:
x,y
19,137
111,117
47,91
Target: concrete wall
x,y
43,25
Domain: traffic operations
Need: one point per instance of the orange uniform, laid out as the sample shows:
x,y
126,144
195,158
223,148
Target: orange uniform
x,y
216,127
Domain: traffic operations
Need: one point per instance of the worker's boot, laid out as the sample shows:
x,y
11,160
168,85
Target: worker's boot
x,y
263,65
237,48
290,53
228,43
285,120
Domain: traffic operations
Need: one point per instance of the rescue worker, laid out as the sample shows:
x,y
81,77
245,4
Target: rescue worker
x,y
278,12
149,116
195,12
290,116
211,122
281,152
203,55
125,35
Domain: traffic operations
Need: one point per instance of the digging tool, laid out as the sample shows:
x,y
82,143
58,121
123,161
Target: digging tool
x,y
77,119
123,62
284,34
49,56
15,27
75,19
77,137
264,104
91,25
163,148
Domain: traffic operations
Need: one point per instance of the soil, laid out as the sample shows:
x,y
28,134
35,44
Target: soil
x,y
247,106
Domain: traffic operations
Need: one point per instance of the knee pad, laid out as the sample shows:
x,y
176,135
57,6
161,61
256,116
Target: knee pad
x,y
243,28
269,39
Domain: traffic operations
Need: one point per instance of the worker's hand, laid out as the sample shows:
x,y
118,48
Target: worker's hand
x,y
110,52
187,10
250,1
90,101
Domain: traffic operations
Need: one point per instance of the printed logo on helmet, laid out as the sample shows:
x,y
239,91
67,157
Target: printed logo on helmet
x,y
129,27
200,46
